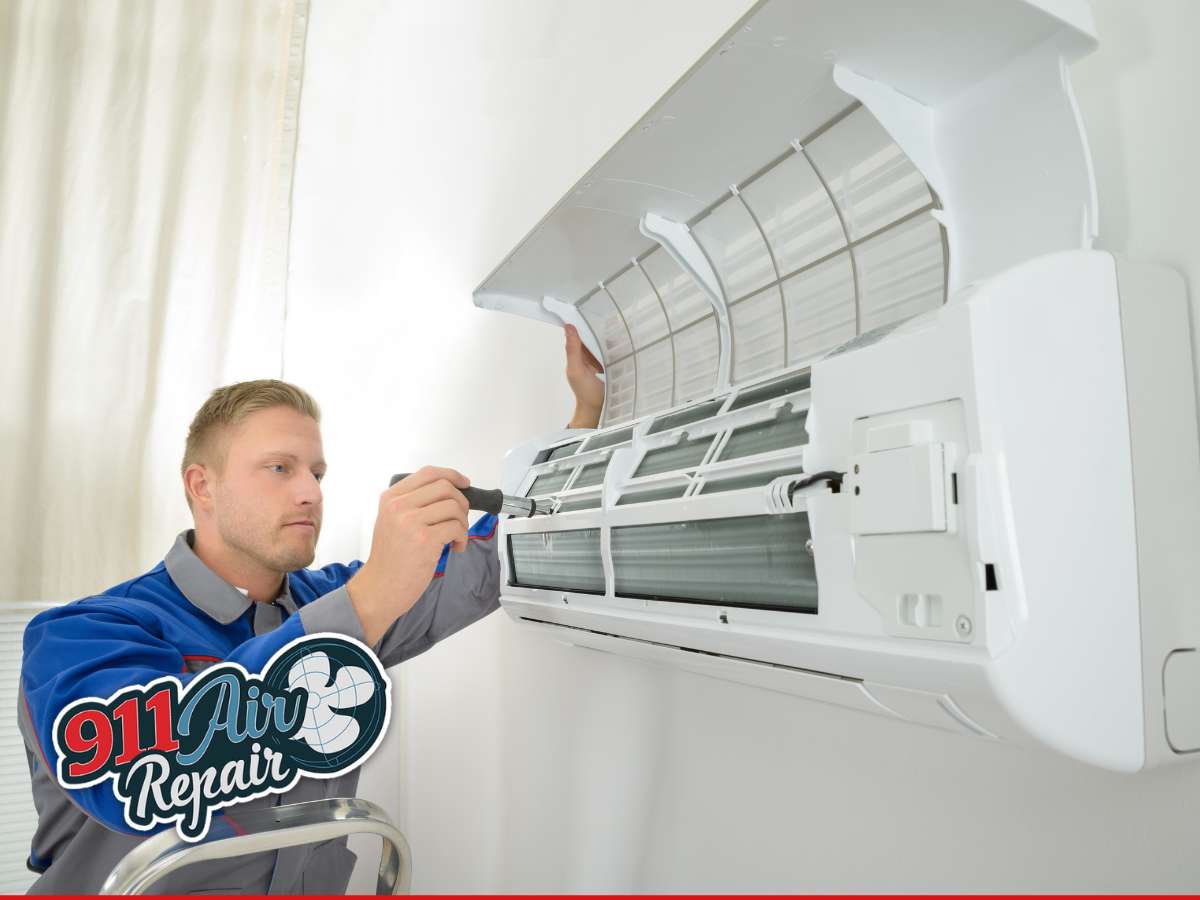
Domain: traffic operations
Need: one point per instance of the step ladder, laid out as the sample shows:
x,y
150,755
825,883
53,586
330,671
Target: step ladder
x,y
269,828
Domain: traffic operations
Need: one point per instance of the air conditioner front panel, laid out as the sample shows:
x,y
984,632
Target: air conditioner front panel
x,y
979,577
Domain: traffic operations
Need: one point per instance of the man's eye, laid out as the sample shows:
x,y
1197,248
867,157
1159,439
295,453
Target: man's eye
x,y
277,467
319,475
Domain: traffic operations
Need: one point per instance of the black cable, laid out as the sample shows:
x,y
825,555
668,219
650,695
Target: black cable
x,y
834,479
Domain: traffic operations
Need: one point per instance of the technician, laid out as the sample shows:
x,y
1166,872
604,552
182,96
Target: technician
x,y
235,588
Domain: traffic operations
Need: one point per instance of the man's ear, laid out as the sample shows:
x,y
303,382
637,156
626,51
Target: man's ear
x,y
198,486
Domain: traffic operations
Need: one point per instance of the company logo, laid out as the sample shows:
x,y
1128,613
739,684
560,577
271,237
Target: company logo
x,y
176,753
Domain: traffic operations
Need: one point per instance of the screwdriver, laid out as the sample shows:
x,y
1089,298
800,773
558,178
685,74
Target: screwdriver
x,y
495,501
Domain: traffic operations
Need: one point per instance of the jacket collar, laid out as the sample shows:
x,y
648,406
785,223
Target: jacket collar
x,y
208,591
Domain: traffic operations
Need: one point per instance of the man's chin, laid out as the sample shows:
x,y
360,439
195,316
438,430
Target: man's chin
x,y
299,555
293,562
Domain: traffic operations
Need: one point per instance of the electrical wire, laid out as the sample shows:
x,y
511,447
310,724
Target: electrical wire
x,y
833,478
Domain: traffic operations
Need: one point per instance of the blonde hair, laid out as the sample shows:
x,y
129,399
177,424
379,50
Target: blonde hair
x,y
229,405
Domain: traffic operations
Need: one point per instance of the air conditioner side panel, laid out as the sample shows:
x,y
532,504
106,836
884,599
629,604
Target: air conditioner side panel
x,y
1159,377
1050,383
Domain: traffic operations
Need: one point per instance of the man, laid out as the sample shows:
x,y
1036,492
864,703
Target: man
x,y
234,588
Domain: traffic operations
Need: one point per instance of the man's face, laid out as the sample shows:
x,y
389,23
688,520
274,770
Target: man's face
x,y
267,498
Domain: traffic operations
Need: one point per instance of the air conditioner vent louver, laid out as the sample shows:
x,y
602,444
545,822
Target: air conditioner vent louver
x,y
742,659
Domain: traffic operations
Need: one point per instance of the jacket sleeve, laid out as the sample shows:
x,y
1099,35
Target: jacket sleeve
x,y
464,589
94,648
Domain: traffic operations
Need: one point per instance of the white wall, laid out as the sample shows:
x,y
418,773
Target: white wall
x,y
433,136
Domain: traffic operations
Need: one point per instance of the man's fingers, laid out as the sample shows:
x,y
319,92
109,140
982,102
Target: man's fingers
x,y
442,511
577,351
449,533
591,359
427,475
431,493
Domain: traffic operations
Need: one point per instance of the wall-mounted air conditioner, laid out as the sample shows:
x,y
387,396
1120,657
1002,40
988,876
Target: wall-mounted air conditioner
x,y
881,428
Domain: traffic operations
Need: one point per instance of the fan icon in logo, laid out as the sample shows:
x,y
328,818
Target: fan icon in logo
x,y
325,728
346,708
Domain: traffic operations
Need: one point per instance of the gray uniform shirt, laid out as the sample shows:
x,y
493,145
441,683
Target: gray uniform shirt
x,y
83,850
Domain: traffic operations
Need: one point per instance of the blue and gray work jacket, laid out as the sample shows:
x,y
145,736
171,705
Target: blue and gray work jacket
x,y
178,619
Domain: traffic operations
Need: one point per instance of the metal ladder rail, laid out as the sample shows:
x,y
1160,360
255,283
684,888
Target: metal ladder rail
x,y
269,828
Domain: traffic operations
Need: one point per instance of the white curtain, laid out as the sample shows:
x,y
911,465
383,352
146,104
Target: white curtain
x,y
146,154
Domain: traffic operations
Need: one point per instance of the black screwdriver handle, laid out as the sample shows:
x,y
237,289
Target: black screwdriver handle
x,y
479,499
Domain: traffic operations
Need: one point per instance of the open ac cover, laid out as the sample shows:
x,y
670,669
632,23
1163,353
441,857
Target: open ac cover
x,y
855,239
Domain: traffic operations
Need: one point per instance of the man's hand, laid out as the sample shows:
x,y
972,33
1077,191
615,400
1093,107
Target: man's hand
x,y
417,517
582,369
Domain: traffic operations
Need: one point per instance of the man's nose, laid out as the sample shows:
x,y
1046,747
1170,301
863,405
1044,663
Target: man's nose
x,y
309,491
